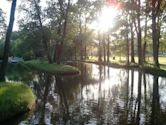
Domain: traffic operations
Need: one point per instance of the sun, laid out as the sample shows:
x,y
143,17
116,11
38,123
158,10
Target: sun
x,y
106,19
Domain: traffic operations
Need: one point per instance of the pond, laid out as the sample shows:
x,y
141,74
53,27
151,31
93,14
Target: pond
x,y
101,95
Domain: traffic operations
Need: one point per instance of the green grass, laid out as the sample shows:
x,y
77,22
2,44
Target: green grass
x,y
57,69
122,60
15,98
162,60
163,67
148,67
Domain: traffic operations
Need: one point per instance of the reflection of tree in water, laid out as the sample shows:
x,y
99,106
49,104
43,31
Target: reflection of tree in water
x,y
139,97
155,115
42,88
129,99
52,105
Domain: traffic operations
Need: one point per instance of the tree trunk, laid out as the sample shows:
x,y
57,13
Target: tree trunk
x,y
108,49
64,32
104,49
7,42
85,42
158,36
155,41
99,49
81,51
127,47
139,35
75,48
155,30
145,37
132,43
59,30
85,52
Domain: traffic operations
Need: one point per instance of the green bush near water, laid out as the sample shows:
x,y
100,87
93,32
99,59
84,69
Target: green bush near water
x,y
15,98
57,69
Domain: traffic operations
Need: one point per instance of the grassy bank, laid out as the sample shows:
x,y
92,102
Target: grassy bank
x,y
148,68
118,59
15,98
57,69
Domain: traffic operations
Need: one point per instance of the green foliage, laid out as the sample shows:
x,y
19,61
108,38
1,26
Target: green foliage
x,y
1,48
162,47
27,43
15,98
16,70
57,69
2,23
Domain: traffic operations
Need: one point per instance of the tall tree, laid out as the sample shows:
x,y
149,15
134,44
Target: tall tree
x,y
138,30
32,21
64,17
99,48
157,9
146,11
87,11
108,48
132,32
7,41
44,39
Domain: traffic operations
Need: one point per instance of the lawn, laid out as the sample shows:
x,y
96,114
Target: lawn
x,y
117,59
122,61
57,69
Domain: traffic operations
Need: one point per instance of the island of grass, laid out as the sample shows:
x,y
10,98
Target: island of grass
x,y
15,99
56,69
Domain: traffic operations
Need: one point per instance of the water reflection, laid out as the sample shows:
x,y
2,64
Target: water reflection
x,y
99,96
155,115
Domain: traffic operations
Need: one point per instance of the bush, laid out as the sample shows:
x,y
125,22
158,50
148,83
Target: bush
x,y
15,98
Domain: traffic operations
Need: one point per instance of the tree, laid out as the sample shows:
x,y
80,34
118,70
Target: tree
x,y
108,48
44,39
27,43
157,9
86,11
33,21
137,4
7,41
59,13
132,32
146,11
64,10
2,24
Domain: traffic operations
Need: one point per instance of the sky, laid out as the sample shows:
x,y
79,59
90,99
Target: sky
x,y
6,6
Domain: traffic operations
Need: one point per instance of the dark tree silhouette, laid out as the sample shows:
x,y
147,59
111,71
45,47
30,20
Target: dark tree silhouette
x,y
7,42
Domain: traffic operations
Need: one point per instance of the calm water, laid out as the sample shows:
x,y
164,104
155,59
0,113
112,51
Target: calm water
x,y
99,96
